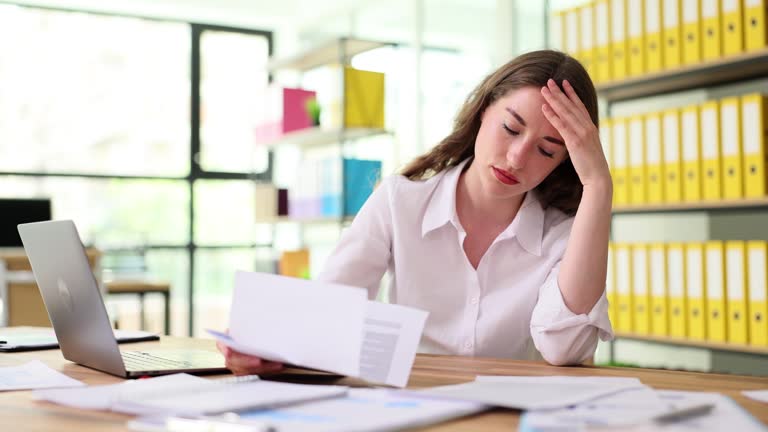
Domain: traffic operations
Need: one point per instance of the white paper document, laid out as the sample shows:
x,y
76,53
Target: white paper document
x,y
758,395
34,375
534,392
631,411
361,410
323,326
183,394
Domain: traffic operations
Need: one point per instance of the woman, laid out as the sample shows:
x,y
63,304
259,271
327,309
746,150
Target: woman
x,y
500,231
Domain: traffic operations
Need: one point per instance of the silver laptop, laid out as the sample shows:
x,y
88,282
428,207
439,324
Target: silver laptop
x,y
78,314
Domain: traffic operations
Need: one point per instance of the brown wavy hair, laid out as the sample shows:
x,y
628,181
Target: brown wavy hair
x,y
562,188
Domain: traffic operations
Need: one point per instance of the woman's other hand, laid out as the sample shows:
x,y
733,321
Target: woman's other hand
x,y
245,364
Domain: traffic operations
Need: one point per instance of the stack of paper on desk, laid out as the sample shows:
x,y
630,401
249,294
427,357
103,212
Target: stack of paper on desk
x,y
323,326
183,394
34,375
635,409
532,392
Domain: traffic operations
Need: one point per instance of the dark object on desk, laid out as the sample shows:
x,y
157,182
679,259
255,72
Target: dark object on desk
x,y
18,211
16,339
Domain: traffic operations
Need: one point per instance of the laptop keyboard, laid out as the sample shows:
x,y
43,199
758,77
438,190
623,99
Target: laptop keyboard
x,y
139,361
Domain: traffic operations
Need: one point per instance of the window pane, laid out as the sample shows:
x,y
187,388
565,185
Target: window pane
x,y
214,282
233,79
112,211
224,212
172,266
93,94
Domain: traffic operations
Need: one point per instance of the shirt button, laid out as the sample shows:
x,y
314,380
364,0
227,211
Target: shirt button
x,y
473,300
468,345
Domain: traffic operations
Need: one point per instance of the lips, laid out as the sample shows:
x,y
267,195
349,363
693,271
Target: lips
x,y
505,177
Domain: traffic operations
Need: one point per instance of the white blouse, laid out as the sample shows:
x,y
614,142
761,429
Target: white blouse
x,y
509,307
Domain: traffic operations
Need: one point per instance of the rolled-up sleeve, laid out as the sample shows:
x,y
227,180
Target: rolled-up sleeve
x,y
561,336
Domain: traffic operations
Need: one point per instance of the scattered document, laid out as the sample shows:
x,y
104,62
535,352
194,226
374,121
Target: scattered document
x,y
323,326
605,414
183,394
361,410
534,392
758,395
34,375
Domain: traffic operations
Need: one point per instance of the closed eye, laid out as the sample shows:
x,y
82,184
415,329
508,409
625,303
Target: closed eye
x,y
510,131
546,153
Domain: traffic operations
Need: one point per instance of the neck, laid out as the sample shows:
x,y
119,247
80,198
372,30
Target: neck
x,y
475,204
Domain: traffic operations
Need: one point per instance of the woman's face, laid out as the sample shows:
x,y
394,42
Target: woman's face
x,y
516,147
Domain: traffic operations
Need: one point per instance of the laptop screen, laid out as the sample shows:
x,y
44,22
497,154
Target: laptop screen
x,y
18,211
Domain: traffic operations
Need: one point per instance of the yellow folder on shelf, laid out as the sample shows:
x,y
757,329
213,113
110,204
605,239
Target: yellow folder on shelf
x,y
730,145
653,158
654,46
711,169
673,184
657,267
610,285
620,161
619,57
736,289
623,257
556,37
754,128
363,98
678,323
635,37
641,297
587,43
295,263
711,34
671,30
696,291
757,261
691,32
755,27
732,27
572,32
691,154
638,181
717,318
603,47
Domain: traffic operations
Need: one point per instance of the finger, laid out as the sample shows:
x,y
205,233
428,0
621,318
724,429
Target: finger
x,y
558,107
561,97
223,349
571,93
556,122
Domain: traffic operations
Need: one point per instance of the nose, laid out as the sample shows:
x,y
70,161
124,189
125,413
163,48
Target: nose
x,y
518,154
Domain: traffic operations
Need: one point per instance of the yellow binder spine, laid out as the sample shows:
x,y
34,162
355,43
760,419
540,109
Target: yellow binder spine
x,y
657,266
620,161
654,46
636,37
757,252
717,319
673,185
691,154
711,35
730,143
691,32
654,165
712,183
736,283
755,28
623,256
640,294
754,126
619,58
678,324
638,181
610,285
672,31
587,34
732,27
603,52
696,290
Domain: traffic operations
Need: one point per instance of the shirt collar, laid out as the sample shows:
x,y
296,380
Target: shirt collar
x,y
527,227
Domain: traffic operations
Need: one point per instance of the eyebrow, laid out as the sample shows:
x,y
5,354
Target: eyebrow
x,y
522,122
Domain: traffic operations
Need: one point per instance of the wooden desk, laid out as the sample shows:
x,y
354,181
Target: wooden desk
x,y
18,408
